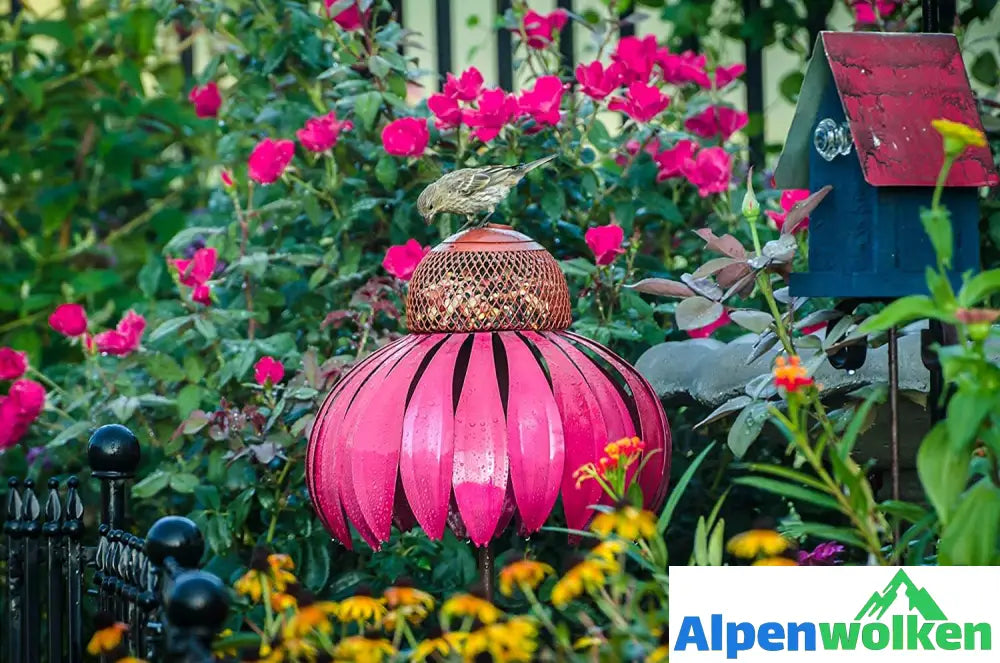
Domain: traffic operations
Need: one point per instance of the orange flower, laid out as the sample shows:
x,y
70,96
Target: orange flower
x,y
108,636
791,374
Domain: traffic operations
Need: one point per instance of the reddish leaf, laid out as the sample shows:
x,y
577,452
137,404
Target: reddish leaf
x,y
697,312
727,245
662,287
802,209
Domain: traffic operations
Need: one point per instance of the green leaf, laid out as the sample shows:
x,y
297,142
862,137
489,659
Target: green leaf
x,y
150,275
980,287
790,86
379,66
151,485
80,429
942,472
184,482
164,368
168,327
675,495
857,422
785,473
600,138
970,539
788,490
985,69
747,427
387,171
366,107
208,495
907,511
966,411
829,532
937,224
554,202
206,328
903,310
317,566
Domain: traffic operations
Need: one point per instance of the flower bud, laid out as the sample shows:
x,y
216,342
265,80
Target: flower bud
x,y
751,208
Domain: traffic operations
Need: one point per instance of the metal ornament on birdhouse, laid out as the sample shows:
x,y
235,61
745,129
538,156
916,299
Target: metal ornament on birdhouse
x,y
484,413
863,125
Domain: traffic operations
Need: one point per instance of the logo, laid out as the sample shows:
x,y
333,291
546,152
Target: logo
x,y
753,614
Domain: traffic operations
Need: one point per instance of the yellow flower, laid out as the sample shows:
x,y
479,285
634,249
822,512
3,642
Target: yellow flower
x,y
311,616
130,659
628,522
407,596
658,655
609,550
775,561
754,542
958,136
589,575
362,608
269,569
363,650
511,641
588,642
523,573
108,636
444,645
414,614
467,605
280,601
223,653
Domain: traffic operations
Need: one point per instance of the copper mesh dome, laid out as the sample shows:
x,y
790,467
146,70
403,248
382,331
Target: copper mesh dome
x,y
487,279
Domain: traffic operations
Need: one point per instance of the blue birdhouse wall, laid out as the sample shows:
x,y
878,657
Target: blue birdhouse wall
x,y
881,91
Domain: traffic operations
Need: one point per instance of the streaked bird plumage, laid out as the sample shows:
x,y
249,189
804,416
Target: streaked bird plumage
x,y
473,191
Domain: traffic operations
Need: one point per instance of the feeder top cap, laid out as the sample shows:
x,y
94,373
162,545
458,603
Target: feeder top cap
x,y
492,237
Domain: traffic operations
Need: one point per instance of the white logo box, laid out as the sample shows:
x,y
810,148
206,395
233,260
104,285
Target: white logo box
x,y
834,613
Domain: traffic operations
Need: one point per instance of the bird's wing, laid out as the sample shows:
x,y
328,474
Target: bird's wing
x,y
482,178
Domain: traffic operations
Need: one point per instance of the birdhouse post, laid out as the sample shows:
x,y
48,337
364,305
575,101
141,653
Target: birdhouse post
x,y
863,125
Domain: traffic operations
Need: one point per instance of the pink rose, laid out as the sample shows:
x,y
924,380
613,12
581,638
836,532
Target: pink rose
x,y
206,100
726,75
18,410
636,58
687,67
227,179
605,242
349,18
671,160
202,294
446,110
268,370
495,109
541,29
198,269
716,121
321,133
597,82
406,137
269,159
13,364
466,87
124,338
642,102
864,12
706,331
788,200
402,259
542,101
710,171
69,320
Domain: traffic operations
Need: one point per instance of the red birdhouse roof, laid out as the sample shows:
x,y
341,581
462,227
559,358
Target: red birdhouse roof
x,y
891,86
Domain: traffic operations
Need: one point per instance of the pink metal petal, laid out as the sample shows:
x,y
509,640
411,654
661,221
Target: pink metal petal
x,y
655,429
535,443
374,442
479,475
583,428
425,461
345,419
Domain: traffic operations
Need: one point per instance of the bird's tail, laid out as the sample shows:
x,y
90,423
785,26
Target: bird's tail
x,y
531,165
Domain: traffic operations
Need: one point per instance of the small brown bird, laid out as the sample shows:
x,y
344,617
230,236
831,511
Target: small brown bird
x,y
472,191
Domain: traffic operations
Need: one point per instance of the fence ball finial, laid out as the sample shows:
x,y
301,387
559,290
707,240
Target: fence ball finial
x,y
177,537
113,452
198,600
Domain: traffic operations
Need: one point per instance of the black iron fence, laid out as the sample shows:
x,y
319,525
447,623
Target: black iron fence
x,y
151,585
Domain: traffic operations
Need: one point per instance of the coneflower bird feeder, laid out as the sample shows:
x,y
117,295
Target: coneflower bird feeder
x,y
481,414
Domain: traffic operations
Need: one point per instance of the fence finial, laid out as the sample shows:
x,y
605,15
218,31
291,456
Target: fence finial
x,y
177,537
113,452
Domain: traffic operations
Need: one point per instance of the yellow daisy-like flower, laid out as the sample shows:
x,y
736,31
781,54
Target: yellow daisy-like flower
x,y
523,573
513,641
752,543
280,601
589,575
270,569
407,596
445,645
609,550
364,650
413,614
467,605
361,609
628,522
107,637
775,561
958,136
311,616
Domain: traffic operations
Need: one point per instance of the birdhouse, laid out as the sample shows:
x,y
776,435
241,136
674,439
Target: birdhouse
x,y
863,125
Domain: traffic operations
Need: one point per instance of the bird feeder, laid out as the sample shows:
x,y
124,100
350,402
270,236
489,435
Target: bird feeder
x,y
863,125
483,413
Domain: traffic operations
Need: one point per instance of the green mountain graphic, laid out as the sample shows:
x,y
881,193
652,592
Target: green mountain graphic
x,y
920,600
